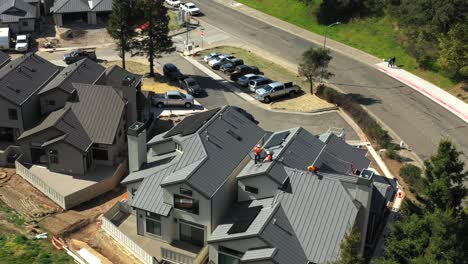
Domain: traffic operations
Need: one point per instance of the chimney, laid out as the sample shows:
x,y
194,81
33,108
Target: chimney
x,y
136,146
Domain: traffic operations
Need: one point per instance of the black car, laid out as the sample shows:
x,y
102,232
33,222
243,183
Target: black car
x,y
246,114
242,70
171,71
231,65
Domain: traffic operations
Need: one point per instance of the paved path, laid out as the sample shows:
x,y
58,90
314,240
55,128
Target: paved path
x,y
409,115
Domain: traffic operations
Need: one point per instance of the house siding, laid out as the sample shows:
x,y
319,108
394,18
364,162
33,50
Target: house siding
x,y
4,119
31,110
241,245
18,27
265,185
70,159
60,97
37,139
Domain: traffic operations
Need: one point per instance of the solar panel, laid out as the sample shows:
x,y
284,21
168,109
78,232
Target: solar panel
x,y
277,139
191,123
244,220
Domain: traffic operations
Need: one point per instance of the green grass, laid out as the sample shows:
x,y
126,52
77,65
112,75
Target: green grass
x,y
17,249
267,67
11,216
173,23
376,36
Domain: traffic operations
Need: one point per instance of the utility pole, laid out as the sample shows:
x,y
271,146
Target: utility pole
x,y
325,44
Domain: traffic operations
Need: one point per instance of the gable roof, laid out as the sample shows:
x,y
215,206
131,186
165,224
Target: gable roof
x,y
24,76
70,6
99,110
83,71
14,10
4,58
102,5
297,148
65,121
114,76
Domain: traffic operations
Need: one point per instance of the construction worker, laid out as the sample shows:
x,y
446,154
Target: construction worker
x,y
257,151
269,156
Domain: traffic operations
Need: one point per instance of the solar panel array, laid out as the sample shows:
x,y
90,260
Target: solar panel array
x,y
277,139
243,220
191,123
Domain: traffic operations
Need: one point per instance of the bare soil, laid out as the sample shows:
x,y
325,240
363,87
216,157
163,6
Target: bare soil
x,y
303,103
73,34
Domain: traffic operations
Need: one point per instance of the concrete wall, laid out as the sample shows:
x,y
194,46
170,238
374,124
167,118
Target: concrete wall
x,y
265,185
60,97
204,215
70,159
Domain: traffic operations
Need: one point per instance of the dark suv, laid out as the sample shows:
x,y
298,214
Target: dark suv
x,y
242,70
171,71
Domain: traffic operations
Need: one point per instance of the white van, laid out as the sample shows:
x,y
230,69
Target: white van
x,y
4,38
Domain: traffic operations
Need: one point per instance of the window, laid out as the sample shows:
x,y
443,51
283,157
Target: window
x,y
251,189
178,147
228,256
51,102
25,23
173,96
100,154
53,156
184,191
153,223
192,233
187,204
133,191
12,114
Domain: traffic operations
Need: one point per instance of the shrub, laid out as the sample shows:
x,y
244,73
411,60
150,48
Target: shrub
x,y
412,176
392,153
368,124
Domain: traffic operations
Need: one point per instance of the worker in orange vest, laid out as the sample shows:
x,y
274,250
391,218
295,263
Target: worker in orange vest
x,y
257,151
269,156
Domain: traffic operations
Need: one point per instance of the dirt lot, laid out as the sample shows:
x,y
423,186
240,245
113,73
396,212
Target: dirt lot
x,y
303,103
25,210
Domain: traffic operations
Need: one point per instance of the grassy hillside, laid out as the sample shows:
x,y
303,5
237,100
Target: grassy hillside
x,y
376,36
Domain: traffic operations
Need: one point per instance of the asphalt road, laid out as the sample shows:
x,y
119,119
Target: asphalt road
x,y
417,120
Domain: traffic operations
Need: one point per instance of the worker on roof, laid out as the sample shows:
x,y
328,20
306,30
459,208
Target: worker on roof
x,y
257,151
269,156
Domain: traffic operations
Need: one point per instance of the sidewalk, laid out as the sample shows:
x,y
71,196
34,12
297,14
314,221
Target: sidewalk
x,y
436,94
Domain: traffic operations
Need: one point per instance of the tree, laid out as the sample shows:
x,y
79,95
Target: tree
x,y
445,176
156,40
350,248
314,64
120,26
453,56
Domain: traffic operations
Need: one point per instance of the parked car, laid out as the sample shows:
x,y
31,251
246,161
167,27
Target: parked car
x,y
243,70
275,90
245,79
79,54
171,71
173,3
231,65
210,56
172,98
246,114
258,83
22,43
216,62
190,8
190,85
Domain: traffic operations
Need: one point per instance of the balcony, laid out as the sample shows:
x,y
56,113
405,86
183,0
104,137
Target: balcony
x,y
121,224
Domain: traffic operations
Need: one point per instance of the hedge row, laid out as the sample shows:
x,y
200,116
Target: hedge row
x,y
367,123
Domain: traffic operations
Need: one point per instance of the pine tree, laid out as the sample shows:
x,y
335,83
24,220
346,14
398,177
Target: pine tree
x,y
350,249
156,40
314,65
121,27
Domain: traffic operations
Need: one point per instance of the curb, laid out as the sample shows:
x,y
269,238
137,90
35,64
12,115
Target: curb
x,y
430,95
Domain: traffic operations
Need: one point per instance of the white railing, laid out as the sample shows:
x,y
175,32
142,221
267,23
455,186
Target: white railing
x,y
172,256
39,184
136,250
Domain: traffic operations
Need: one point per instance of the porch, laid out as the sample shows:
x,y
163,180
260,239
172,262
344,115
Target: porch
x,y
121,224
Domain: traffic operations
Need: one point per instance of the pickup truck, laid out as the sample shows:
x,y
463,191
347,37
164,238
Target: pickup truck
x,y
172,98
79,54
275,90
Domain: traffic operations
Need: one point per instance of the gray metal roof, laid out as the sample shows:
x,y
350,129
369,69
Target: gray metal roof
x,y
12,11
70,6
65,121
301,149
4,58
114,75
23,77
320,211
258,254
99,109
102,6
83,71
